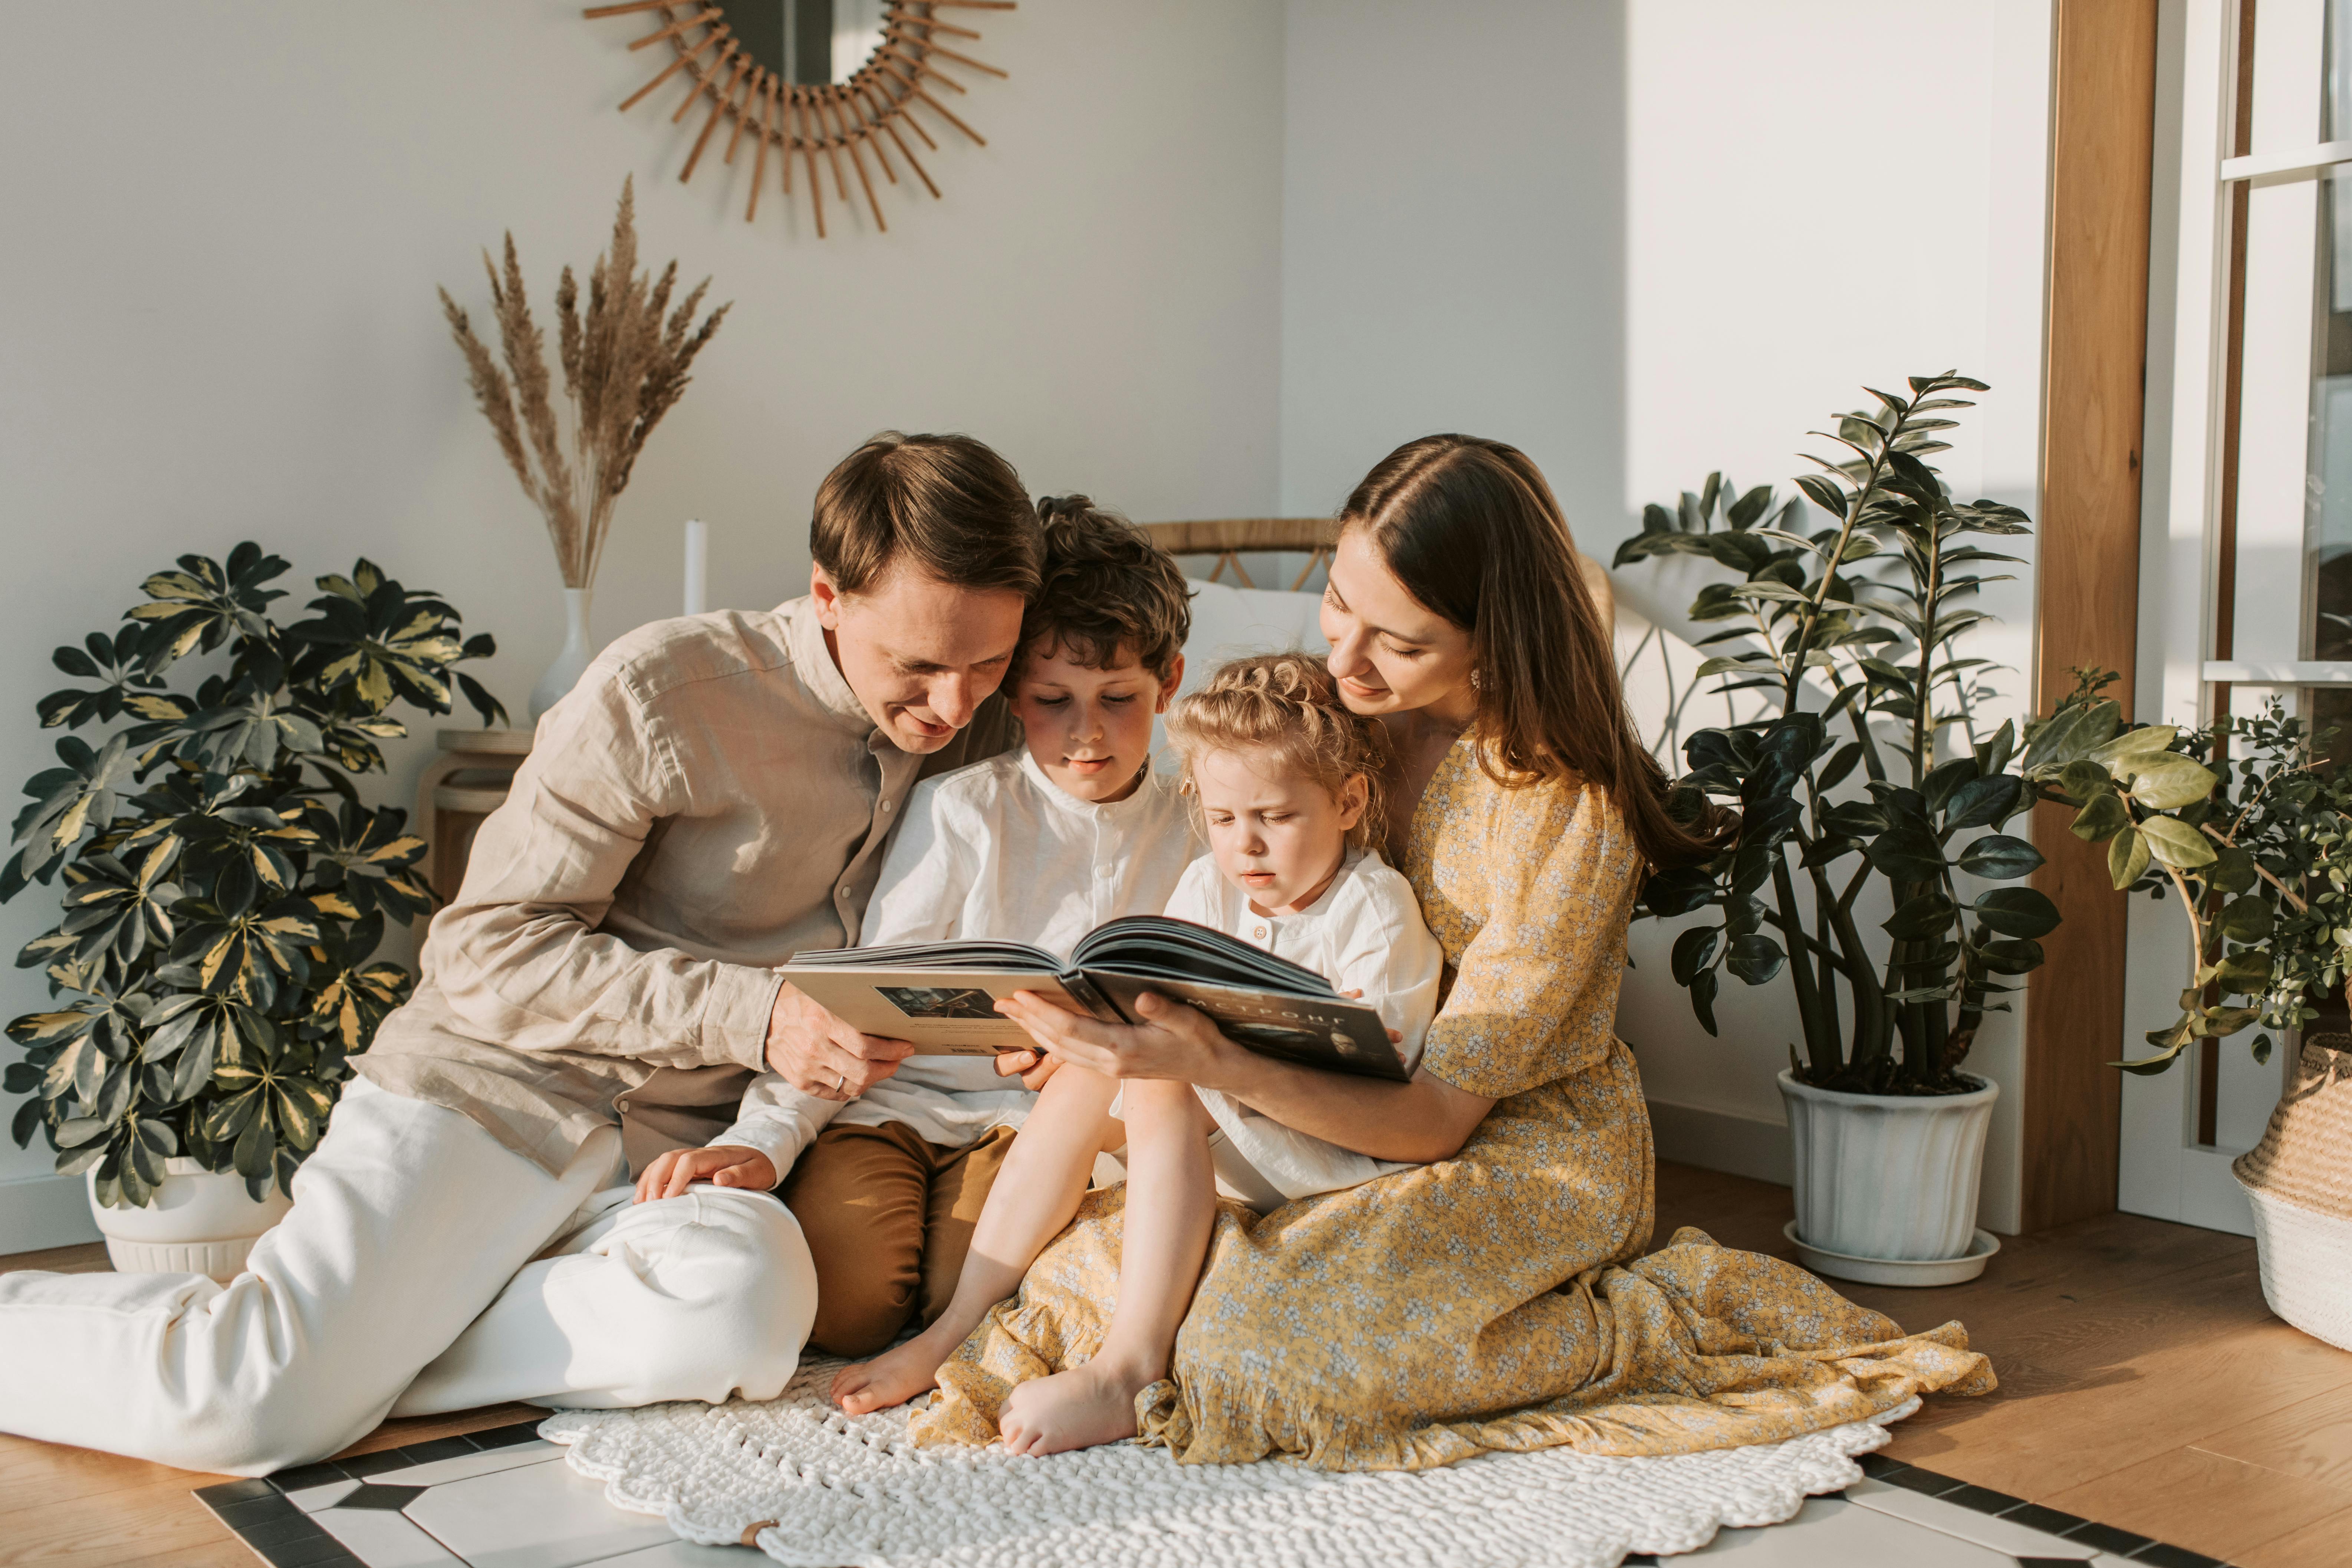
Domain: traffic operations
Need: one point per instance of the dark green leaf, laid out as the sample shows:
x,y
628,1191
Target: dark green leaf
x,y
2017,912
1984,801
1839,767
1702,996
2247,920
1755,958
1908,854
1693,951
1927,916
1997,856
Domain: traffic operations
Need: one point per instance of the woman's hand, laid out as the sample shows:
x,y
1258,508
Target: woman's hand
x,y
1174,1041
721,1164
1032,1067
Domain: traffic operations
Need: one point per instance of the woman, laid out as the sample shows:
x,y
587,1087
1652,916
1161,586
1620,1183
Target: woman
x,y
1495,1297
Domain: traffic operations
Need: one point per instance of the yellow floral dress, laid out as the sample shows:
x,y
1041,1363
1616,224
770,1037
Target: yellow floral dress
x,y
1498,1299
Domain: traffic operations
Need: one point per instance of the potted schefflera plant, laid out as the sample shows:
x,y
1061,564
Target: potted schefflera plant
x,y
226,890
1870,774
2248,828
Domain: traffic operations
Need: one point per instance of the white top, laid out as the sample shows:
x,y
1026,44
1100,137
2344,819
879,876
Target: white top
x,y
998,850
1365,933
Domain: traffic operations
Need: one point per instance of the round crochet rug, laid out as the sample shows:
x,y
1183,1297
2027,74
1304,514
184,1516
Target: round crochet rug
x,y
812,1487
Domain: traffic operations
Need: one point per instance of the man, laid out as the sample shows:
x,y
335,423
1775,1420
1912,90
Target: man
x,y
714,795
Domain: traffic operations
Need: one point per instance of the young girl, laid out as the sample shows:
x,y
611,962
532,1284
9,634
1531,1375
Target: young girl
x,y
1284,779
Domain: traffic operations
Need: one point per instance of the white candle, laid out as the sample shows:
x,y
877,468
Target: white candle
x,y
697,566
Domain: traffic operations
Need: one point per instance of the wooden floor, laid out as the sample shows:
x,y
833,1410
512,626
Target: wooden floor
x,y
2142,1382
2143,1385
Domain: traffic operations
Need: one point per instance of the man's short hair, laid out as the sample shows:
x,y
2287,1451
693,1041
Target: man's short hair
x,y
948,504
1106,587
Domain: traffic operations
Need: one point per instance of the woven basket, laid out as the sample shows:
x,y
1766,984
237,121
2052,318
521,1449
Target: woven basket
x,y
2299,1180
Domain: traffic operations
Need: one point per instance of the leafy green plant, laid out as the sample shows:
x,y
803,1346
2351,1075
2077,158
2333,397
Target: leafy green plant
x,y
224,887
1851,629
2256,845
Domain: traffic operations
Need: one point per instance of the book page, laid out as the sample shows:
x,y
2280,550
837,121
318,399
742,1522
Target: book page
x,y
940,1012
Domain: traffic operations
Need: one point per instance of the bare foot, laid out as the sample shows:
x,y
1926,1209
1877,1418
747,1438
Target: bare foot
x,y
895,1376
1075,1409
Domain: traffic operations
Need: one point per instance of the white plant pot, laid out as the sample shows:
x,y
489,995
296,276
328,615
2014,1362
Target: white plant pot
x,y
572,660
2305,1258
201,1222
1887,1184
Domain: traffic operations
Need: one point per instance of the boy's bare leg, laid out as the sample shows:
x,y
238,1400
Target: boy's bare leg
x,y
1043,1177
1172,1205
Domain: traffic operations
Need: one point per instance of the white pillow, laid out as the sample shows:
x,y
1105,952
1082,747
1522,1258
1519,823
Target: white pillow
x,y
1229,622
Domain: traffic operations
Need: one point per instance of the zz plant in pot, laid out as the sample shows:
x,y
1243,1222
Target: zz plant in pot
x,y
224,887
1866,772
2247,827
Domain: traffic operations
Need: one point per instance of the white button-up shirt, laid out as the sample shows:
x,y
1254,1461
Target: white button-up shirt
x,y
995,850
1365,933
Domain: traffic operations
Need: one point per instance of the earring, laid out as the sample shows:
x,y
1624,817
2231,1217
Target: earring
x,y
1476,681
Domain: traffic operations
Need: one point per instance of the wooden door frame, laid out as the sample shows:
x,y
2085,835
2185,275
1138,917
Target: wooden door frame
x,y
2103,106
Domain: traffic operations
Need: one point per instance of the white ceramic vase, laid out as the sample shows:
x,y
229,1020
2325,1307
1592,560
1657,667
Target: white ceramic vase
x,y
1887,1184
200,1222
572,659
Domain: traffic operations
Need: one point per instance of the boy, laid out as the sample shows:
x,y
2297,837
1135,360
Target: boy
x,y
1039,844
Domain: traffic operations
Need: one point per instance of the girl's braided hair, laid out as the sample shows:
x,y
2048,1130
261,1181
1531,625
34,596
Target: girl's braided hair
x,y
1287,703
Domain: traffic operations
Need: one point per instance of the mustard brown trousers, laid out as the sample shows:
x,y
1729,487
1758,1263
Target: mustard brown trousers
x,y
889,1217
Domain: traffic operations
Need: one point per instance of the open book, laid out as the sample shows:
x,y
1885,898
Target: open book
x,y
938,996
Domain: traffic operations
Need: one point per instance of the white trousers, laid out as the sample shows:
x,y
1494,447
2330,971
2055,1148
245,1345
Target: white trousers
x,y
422,1268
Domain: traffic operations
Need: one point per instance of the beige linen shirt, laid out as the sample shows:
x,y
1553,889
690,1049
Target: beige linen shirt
x,y
710,799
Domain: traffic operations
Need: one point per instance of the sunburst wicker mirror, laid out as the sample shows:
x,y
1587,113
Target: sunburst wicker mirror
x,y
807,81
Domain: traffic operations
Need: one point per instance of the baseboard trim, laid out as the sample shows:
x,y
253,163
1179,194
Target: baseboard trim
x,y
40,1212
1721,1141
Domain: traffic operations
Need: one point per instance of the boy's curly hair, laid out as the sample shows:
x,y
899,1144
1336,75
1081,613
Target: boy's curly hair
x,y
1287,703
1107,586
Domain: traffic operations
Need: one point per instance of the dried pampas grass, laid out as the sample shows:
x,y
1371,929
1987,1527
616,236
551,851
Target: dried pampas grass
x,y
624,367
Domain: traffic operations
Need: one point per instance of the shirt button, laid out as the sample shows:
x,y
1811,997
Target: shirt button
x,y
1106,872
886,806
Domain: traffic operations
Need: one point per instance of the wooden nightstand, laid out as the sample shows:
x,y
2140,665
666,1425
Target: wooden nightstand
x,y
458,789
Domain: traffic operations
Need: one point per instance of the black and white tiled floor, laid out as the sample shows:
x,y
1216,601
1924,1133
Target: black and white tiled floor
x,y
503,1498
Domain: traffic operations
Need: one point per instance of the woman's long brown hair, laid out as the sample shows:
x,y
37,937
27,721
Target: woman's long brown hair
x,y
1472,532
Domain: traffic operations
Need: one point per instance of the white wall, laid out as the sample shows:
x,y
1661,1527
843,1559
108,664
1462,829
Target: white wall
x,y
1216,258
217,317
1642,243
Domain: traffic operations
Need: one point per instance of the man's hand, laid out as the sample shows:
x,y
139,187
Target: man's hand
x,y
818,1054
1035,1066
722,1164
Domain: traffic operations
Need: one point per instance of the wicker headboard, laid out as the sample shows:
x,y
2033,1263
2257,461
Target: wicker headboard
x,y
1229,538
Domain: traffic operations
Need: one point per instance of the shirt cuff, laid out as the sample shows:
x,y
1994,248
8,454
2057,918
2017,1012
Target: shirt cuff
x,y
781,1138
735,1018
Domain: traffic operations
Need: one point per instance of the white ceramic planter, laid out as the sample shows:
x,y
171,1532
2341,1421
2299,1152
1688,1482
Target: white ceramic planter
x,y
201,1222
1887,1185
2305,1258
